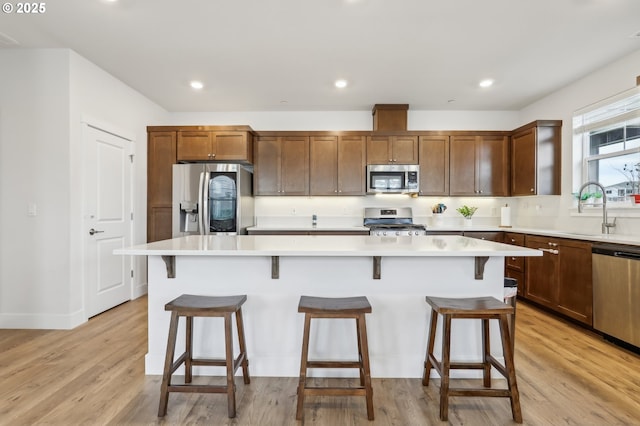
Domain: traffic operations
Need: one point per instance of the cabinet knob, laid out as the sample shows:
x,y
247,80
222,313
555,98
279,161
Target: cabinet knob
x,y
513,240
531,190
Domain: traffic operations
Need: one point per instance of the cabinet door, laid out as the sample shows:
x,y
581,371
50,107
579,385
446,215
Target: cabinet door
x,y
404,149
541,273
523,163
352,158
462,165
575,289
161,155
433,156
379,150
323,165
266,174
295,165
492,165
194,146
519,277
232,146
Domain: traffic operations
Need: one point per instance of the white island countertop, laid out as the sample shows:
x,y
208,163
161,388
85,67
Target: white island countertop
x,y
334,245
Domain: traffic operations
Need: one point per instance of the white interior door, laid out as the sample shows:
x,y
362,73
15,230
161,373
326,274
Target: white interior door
x,y
107,187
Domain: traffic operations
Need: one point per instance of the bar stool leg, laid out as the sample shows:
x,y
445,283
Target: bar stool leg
x,y
362,337
168,363
486,353
303,366
505,335
446,363
188,362
428,365
361,369
231,389
243,347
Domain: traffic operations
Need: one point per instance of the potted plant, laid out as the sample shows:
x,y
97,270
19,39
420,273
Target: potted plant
x,y
467,212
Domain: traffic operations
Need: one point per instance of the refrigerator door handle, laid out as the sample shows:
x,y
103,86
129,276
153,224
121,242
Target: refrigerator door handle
x,y
201,204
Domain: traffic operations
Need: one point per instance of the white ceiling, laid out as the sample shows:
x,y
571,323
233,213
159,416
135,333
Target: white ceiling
x,y
257,55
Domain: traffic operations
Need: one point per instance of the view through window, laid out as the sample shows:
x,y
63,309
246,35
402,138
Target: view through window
x,y
609,135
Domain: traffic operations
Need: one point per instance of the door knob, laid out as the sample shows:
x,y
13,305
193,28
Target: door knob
x,y
93,231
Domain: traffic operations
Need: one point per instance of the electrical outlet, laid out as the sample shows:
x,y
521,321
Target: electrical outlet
x,y
293,211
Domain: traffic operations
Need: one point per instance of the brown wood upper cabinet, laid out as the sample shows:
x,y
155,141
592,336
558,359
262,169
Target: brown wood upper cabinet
x,y
562,278
337,165
194,145
161,155
433,155
392,149
282,165
535,158
479,165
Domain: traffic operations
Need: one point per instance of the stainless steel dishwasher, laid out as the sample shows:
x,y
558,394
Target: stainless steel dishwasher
x,y
616,291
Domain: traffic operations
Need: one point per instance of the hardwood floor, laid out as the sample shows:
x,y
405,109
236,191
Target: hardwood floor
x,y
94,375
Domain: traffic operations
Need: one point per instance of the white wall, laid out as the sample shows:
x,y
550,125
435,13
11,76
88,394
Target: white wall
x,y
44,96
34,164
559,212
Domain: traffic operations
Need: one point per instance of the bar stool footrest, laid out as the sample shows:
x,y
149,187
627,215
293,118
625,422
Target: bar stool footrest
x,y
336,391
479,392
333,364
198,388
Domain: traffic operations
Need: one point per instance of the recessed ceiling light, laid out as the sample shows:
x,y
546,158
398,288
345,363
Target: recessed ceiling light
x,y
196,85
486,83
341,84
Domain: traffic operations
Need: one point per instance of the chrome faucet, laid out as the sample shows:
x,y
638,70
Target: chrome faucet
x,y
606,226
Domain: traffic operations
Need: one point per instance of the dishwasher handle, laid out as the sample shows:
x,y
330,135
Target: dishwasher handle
x,y
627,255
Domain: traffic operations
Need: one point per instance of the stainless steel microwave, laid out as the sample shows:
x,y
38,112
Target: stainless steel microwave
x,y
396,178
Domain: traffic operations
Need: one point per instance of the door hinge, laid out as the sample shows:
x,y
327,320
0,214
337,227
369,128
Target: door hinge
x,y
132,273
131,215
131,157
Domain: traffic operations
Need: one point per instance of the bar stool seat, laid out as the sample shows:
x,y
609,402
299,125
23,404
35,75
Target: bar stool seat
x,y
190,306
344,307
484,308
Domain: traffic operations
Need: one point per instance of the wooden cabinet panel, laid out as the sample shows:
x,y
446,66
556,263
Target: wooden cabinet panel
x,y
232,146
295,166
541,273
337,165
519,277
433,156
266,174
492,165
282,166
323,165
462,165
215,146
352,158
536,158
562,278
479,165
161,155
159,224
392,150
194,146
404,149
575,276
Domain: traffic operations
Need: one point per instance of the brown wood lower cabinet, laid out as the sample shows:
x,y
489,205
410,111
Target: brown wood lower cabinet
x,y
514,266
562,278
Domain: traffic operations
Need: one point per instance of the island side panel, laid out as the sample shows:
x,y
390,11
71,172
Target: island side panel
x,y
397,327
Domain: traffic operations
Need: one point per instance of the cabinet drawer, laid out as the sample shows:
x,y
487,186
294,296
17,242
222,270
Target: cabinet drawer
x,y
514,239
515,263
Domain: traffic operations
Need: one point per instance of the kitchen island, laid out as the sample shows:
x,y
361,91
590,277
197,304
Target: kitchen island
x,y
395,273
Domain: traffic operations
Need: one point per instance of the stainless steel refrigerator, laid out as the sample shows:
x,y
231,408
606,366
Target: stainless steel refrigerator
x,y
212,198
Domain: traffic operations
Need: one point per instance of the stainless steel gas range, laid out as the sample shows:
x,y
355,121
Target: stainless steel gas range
x,y
392,221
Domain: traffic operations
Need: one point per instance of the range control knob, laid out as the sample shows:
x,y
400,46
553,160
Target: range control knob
x,y
397,232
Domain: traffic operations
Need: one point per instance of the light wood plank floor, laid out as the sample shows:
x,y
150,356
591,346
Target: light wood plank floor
x,y
94,375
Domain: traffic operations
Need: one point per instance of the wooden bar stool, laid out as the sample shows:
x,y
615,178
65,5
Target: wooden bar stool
x,y
190,306
484,308
344,307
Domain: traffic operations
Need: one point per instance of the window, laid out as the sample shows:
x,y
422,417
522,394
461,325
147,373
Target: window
x,y
608,135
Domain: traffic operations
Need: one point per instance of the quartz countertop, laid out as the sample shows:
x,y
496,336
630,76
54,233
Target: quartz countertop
x,y
585,236
310,245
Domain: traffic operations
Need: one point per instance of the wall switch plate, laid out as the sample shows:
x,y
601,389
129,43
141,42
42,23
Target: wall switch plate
x,y
32,209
